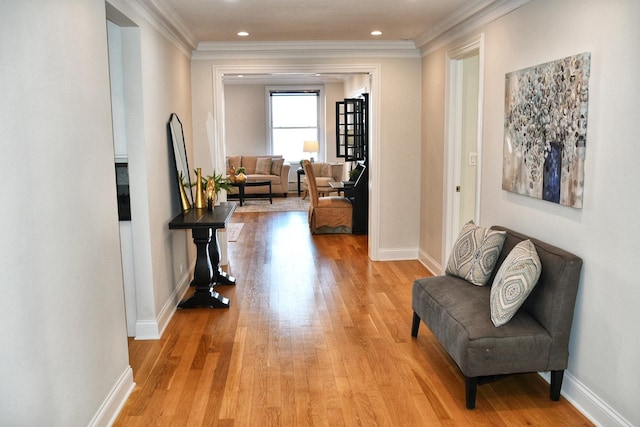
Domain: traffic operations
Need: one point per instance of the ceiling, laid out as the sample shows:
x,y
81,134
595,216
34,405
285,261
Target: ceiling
x,y
207,21
301,27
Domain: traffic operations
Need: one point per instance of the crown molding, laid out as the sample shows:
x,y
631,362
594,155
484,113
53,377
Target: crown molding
x,y
305,49
171,21
476,18
459,16
162,18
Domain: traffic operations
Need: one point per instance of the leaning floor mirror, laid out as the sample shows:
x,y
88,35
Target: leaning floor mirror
x,y
181,164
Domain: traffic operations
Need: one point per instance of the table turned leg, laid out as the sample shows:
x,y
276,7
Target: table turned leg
x,y
204,273
220,277
241,192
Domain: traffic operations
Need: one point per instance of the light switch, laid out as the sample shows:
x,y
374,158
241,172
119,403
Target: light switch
x,y
473,159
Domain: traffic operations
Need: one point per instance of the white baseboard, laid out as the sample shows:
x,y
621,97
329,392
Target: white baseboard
x,y
112,405
587,402
171,305
147,330
433,266
398,254
153,329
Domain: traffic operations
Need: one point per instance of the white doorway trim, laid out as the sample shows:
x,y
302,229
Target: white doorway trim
x,y
374,71
453,119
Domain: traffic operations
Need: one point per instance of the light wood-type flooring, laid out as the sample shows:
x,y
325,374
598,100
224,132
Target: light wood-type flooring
x,y
317,334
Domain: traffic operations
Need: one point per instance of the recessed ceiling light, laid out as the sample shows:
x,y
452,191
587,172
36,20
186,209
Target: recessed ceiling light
x,y
376,33
243,33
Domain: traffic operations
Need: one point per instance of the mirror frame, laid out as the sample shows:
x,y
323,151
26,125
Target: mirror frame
x,y
180,155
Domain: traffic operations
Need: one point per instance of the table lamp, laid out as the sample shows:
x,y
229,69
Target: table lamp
x,y
310,147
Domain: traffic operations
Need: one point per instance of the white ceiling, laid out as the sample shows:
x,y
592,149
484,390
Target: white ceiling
x,y
318,20
301,27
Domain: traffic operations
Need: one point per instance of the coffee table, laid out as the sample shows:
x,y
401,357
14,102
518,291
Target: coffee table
x,y
241,186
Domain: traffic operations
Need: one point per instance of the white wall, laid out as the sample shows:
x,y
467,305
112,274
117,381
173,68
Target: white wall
x,y
64,347
246,119
62,326
356,84
603,371
116,79
400,167
333,92
469,138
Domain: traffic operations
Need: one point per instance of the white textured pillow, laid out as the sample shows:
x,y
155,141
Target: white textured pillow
x,y
514,281
475,253
263,166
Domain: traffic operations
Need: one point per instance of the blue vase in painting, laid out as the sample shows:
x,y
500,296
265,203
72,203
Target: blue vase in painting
x,y
552,172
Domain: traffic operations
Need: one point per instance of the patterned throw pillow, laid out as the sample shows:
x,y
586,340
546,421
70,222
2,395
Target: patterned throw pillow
x,y
276,166
263,166
475,253
514,281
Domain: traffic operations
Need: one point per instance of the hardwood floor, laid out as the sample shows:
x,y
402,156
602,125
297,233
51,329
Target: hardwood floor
x,y
316,335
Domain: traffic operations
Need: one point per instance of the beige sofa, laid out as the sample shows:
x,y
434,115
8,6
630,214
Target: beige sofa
x,y
262,168
324,173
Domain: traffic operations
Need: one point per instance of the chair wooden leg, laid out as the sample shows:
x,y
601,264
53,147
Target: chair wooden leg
x,y
556,384
415,325
471,387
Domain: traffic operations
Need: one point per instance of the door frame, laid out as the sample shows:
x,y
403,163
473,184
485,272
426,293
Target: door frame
x,y
453,131
373,70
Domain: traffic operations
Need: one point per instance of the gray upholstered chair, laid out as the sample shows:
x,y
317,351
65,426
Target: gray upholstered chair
x,y
330,214
536,339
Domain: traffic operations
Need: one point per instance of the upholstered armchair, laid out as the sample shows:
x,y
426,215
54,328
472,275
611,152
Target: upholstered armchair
x,y
324,174
329,214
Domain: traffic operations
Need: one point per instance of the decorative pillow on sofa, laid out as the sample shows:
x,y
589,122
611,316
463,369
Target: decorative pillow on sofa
x,y
234,161
475,253
263,166
514,281
326,169
276,166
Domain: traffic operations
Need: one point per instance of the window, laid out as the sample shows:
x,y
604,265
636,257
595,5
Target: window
x,y
294,118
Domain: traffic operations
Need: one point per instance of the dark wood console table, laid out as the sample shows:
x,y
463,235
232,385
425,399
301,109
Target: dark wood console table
x,y
207,274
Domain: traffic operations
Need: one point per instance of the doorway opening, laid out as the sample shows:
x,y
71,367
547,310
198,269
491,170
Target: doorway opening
x,y
463,139
222,73
125,72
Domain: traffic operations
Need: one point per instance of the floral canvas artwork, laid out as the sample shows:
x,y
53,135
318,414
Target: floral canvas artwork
x,y
545,130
